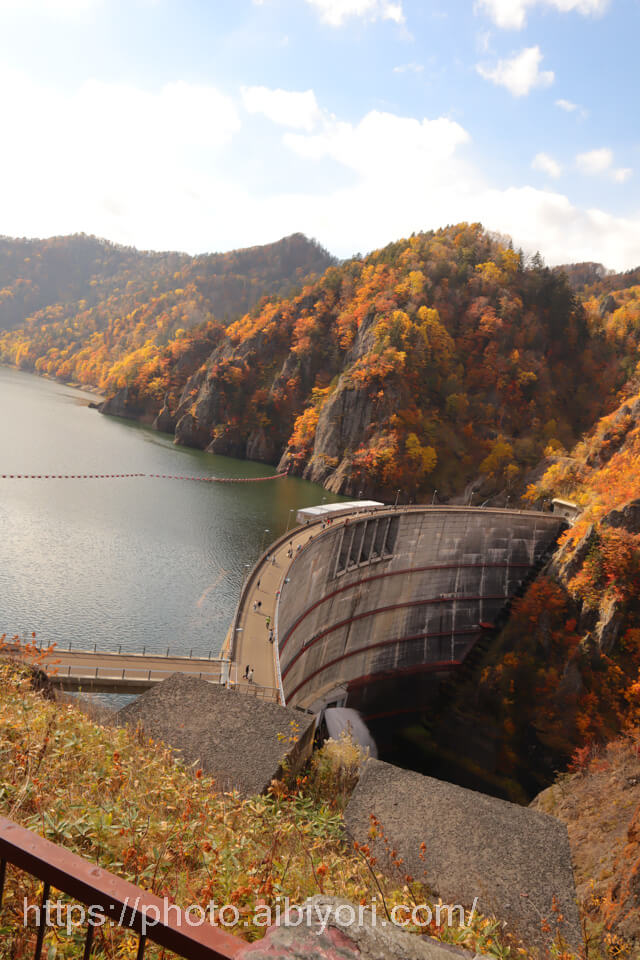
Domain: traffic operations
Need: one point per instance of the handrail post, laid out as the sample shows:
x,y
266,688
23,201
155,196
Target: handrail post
x,y
42,924
88,943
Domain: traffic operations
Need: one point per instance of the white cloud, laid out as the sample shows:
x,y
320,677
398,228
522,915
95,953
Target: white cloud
x,y
120,162
160,170
335,12
569,107
594,161
520,73
512,14
409,68
412,175
600,162
383,144
546,164
284,107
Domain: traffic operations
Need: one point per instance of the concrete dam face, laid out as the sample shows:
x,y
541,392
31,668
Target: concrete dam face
x,y
391,598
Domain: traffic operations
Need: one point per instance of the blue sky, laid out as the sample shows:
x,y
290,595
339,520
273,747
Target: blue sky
x,y
204,125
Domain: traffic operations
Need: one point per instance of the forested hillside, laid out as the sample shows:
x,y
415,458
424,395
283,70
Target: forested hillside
x,y
86,310
439,361
563,675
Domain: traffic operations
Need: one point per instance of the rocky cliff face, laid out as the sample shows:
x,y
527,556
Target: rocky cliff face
x,y
430,363
123,404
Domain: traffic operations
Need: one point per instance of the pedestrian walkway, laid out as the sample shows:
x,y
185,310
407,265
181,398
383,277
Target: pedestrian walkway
x,y
254,641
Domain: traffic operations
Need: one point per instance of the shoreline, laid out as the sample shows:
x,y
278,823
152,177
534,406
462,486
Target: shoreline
x,y
86,388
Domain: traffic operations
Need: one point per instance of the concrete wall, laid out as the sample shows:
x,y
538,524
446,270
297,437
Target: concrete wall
x,y
400,593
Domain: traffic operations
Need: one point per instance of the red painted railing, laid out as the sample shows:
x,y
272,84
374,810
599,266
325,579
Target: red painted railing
x,y
118,900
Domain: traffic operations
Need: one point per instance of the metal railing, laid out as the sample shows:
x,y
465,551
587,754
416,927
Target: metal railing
x,y
105,676
126,905
257,690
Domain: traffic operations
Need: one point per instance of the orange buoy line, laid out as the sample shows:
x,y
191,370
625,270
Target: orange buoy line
x,y
125,476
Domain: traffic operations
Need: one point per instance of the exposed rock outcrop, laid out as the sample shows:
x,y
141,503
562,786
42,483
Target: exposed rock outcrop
x,y
627,517
117,405
615,433
165,421
190,432
329,933
608,304
610,624
261,446
126,404
570,557
344,422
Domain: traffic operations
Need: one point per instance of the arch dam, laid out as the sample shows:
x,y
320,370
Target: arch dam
x,y
372,610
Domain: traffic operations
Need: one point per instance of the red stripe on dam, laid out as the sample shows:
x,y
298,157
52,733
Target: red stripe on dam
x,y
386,609
432,667
405,571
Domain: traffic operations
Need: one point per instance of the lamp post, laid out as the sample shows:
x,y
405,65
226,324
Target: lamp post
x,y
289,518
395,506
247,567
433,498
262,544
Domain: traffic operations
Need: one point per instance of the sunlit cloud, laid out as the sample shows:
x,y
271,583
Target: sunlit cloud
x,y
512,14
519,74
284,107
336,12
358,183
546,164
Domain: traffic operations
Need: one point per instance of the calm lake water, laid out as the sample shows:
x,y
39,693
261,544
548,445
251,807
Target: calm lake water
x,y
139,562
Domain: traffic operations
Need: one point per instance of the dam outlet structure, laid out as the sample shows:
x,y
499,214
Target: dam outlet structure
x,y
375,610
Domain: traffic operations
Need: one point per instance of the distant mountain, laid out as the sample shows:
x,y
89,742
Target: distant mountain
x,y
79,272
441,361
591,279
87,310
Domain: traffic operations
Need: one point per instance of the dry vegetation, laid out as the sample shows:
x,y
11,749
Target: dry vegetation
x,y
124,802
600,804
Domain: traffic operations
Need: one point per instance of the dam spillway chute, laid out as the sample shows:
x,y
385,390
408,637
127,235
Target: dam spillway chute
x,y
341,721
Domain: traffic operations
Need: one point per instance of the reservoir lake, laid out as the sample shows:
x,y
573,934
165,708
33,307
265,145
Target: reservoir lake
x,y
132,563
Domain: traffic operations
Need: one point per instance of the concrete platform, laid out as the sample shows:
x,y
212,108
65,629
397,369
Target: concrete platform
x,y
513,859
239,740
